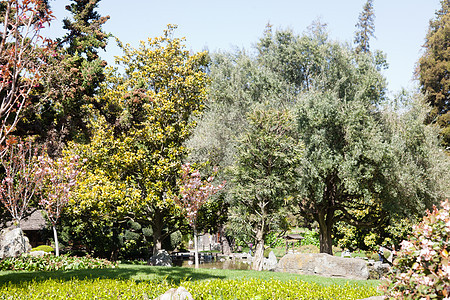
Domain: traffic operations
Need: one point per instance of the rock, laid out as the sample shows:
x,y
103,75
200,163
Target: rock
x,y
323,264
378,270
162,258
176,294
271,262
13,242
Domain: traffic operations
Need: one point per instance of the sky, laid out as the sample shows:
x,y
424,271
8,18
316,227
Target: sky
x,y
400,25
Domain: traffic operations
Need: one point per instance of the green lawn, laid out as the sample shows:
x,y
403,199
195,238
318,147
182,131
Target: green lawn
x,y
132,281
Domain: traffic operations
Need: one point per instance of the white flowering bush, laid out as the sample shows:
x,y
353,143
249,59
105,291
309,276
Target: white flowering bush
x,y
422,267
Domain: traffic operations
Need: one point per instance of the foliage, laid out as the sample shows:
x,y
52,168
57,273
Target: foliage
x,y
365,28
310,237
45,248
71,78
22,50
433,69
265,173
194,192
59,180
422,267
53,263
204,289
23,177
137,145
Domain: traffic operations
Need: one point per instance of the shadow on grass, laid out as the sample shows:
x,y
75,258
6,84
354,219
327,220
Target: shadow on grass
x,y
123,272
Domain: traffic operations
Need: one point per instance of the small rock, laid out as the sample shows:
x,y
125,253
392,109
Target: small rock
x,y
38,253
176,294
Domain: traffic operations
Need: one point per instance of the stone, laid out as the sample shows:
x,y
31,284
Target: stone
x,y
378,270
323,264
162,258
271,262
13,242
176,294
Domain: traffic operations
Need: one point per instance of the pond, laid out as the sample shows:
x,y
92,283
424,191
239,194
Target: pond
x,y
227,264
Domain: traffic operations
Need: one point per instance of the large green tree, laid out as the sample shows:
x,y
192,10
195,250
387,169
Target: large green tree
x,y
71,78
265,174
434,70
148,112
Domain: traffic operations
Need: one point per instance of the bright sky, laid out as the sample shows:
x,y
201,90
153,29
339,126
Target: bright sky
x,y
400,25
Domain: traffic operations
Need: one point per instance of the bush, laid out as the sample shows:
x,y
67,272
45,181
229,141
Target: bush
x,y
310,237
53,263
45,248
422,267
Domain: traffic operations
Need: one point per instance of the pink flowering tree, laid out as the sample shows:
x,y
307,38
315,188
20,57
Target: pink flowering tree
x,y
194,192
22,178
59,180
22,50
422,267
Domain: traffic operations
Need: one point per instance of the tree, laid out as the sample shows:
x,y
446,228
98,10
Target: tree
x,y
365,28
22,52
433,71
361,164
265,174
23,177
194,192
59,179
71,78
147,119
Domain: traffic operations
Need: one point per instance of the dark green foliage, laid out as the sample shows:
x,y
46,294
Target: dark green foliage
x,y
365,28
434,68
62,103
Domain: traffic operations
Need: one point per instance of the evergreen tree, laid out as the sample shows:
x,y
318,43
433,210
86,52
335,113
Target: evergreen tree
x,y
434,71
365,27
71,79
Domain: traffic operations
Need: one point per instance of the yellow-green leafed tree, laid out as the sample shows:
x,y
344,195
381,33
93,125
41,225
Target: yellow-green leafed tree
x,y
140,133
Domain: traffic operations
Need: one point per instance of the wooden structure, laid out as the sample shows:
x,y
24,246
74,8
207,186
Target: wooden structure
x,y
32,227
291,239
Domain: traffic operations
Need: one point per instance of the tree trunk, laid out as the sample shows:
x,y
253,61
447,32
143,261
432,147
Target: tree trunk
x,y
55,237
225,245
258,260
157,227
196,248
325,221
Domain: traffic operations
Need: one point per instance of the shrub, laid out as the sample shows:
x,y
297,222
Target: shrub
x,y
45,248
310,237
422,267
53,263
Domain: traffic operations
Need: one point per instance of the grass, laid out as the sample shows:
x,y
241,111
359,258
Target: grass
x,y
137,279
172,274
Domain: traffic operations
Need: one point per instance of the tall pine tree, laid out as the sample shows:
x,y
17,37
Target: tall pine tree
x,y
434,71
71,79
366,28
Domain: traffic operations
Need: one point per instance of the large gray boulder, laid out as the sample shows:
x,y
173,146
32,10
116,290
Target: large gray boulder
x,y
323,264
13,242
176,294
162,258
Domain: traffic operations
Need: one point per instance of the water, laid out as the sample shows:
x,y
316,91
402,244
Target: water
x,y
227,264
